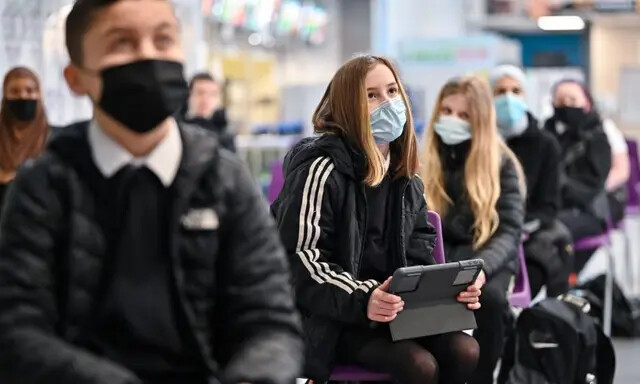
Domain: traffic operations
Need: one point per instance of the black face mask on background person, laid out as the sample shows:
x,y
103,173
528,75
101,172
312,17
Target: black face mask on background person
x,y
23,109
573,117
142,94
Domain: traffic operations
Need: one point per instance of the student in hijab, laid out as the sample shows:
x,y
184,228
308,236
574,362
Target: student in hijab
x,y
23,123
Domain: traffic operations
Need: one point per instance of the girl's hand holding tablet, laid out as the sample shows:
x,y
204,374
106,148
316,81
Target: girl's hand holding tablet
x,y
383,307
472,295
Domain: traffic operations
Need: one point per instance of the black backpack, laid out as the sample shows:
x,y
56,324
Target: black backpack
x,y
625,319
557,342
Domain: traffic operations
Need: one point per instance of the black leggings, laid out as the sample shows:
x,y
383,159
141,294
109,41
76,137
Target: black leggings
x,y
449,358
494,321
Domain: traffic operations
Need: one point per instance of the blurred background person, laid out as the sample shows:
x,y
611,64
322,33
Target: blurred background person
x,y
548,261
204,108
23,123
616,184
476,184
585,163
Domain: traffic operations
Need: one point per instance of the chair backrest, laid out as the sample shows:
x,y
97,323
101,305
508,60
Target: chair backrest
x,y
277,181
633,184
438,251
521,296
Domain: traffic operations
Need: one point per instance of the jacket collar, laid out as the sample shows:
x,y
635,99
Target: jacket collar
x,y
346,158
199,148
109,156
454,156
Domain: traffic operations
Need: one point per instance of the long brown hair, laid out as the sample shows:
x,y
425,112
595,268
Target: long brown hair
x,y
482,166
343,111
16,147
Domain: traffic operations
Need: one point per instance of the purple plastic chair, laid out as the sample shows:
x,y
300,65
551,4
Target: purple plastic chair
x,y
521,296
355,373
438,251
594,242
277,181
633,184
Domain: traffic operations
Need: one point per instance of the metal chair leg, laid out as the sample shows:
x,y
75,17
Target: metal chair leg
x,y
628,259
608,292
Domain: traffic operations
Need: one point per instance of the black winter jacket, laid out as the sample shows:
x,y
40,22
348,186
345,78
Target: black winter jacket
x,y
501,250
322,216
217,124
232,282
539,155
584,178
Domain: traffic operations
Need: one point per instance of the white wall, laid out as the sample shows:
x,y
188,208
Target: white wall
x,y
396,20
613,48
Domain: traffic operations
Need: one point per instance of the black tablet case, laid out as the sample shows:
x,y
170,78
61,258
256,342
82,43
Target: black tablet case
x,y
433,307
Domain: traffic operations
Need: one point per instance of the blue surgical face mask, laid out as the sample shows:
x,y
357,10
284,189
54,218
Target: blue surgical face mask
x,y
452,130
511,112
388,120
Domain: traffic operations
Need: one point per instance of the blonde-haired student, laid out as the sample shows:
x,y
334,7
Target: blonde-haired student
x,y
474,181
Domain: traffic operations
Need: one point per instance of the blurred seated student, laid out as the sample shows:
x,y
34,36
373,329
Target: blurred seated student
x,y
351,212
204,108
474,181
548,261
23,124
616,184
585,162
134,250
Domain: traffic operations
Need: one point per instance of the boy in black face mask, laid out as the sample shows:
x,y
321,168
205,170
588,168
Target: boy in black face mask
x,y
585,163
134,250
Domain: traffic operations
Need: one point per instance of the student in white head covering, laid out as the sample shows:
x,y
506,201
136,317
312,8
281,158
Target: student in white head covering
x,y
539,154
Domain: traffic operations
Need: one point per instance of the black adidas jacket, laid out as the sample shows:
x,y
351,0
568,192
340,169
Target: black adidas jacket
x,y
232,282
322,215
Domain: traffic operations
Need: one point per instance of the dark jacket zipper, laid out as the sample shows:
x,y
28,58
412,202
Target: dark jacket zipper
x,y
403,255
363,236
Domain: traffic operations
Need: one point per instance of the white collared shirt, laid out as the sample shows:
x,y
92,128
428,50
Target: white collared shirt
x,y
109,156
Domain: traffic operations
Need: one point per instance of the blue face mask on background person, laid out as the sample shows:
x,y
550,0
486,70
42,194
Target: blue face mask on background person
x,y
511,112
452,130
387,120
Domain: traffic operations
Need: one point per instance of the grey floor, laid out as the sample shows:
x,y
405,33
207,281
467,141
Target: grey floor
x,y
627,361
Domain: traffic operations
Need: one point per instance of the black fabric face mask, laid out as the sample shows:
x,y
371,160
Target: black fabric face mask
x,y
23,109
142,94
573,117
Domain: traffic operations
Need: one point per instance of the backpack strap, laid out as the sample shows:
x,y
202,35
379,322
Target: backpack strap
x,y
606,358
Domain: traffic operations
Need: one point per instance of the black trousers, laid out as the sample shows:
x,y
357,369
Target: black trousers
x,y
494,320
449,358
581,225
549,259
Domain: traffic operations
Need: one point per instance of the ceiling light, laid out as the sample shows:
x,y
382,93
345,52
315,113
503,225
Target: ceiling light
x,y
561,23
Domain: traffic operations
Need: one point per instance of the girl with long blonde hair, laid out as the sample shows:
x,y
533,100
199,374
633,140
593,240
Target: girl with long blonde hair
x,y
475,183
351,212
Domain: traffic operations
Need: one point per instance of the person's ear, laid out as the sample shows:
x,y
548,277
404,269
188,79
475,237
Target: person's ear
x,y
72,76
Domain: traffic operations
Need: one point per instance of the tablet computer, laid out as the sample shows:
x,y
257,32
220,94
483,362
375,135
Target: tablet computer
x,y
430,295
